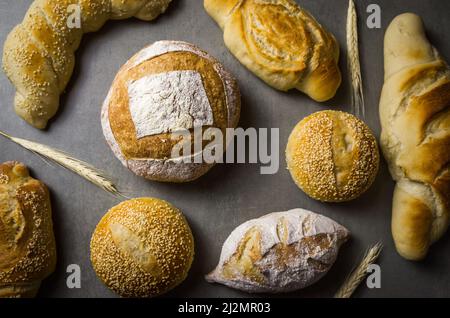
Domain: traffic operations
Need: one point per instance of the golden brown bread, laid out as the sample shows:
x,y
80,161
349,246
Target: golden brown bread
x,y
138,121
142,248
332,156
281,43
27,244
415,118
38,55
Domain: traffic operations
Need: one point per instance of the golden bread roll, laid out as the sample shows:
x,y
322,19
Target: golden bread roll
x,y
166,87
281,43
27,243
415,137
332,156
142,248
38,55
279,252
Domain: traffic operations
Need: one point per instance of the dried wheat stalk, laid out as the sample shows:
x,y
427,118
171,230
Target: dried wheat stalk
x,y
353,63
81,168
357,276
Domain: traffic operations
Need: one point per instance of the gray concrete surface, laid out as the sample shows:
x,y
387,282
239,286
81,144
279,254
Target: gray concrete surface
x,y
229,194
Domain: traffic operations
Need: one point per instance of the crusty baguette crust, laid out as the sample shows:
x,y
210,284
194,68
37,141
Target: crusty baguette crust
x,y
281,43
415,118
38,55
27,243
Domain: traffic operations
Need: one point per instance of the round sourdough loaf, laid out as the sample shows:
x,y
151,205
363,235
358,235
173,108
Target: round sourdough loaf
x,y
166,87
332,156
142,248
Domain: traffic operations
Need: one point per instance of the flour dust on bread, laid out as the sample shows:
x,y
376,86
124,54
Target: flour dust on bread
x,y
281,43
38,55
27,243
167,87
415,138
279,252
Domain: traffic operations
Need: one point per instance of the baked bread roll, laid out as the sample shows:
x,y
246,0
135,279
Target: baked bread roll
x,y
415,138
332,156
142,248
27,243
38,55
279,252
280,43
166,87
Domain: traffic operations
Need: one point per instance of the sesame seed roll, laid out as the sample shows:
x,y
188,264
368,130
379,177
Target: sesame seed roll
x,y
332,156
142,248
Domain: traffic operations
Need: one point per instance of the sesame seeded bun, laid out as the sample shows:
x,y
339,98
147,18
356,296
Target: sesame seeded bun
x,y
27,242
142,248
332,156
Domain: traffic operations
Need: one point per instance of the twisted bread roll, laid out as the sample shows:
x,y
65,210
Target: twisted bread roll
x,y
38,55
27,244
415,117
281,43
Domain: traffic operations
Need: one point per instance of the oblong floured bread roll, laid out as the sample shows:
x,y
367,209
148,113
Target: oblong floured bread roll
x,y
27,243
279,252
168,86
281,43
142,248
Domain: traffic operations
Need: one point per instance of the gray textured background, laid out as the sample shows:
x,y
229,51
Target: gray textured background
x,y
229,194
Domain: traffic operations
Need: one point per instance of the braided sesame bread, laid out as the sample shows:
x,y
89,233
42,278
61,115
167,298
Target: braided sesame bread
x,y
281,43
38,55
279,252
415,138
142,248
332,156
27,243
165,88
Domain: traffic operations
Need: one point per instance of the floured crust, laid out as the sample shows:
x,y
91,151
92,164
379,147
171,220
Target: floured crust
x,y
279,252
27,244
142,248
150,156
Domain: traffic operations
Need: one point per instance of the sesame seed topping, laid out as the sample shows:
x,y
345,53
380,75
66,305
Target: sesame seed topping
x,y
332,156
150,251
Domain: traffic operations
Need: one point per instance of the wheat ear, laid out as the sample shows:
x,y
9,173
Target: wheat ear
x,y
360,272
353,63
81,168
